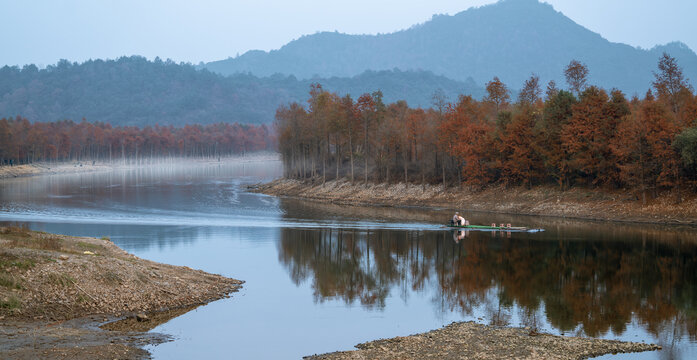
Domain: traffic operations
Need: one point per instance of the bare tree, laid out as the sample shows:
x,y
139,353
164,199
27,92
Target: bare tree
x,y
670,81
531,91
576,76
552,90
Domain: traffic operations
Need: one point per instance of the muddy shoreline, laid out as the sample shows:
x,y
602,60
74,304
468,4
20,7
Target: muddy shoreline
x,y
83,298
576,203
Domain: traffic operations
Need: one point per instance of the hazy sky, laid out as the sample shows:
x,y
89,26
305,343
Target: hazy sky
x,y
42,32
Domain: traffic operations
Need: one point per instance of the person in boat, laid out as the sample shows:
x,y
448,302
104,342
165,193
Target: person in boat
x,y
458,220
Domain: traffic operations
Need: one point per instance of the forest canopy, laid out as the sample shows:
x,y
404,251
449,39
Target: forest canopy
x,y
582,135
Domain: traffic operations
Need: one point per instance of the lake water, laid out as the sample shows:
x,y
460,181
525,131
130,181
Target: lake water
x,y
322,278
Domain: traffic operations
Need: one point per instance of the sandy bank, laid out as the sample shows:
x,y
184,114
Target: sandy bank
x,y
56,284
548,201
469,340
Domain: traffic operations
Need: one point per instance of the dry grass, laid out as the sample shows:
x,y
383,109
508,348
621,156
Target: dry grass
x,y
21,236
10,262
61,279
9,281
10,303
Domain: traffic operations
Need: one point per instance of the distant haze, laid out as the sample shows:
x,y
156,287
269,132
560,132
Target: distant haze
x,y
42,32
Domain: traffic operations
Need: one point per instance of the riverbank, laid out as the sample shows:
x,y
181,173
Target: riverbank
x,y
75,167
469,340
56,290
9,172
542,200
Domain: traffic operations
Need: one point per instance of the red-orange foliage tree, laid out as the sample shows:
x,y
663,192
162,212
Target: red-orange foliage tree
x,y
468,136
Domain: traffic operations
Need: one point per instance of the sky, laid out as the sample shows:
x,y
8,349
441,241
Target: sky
x,y
44,31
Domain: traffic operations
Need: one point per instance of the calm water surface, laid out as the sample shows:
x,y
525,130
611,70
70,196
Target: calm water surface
x,y
322,278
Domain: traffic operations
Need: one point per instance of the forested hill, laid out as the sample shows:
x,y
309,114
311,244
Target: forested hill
x,y
510,39
135,91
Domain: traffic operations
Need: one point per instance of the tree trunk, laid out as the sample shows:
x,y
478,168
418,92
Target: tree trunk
x,y
351,155
406,178
442,162
337,159
365,150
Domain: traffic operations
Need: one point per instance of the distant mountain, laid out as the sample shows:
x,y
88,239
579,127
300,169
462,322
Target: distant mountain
x,y
135,91
510,39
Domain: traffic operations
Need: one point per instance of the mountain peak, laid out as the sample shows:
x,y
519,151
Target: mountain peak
x,y
510,39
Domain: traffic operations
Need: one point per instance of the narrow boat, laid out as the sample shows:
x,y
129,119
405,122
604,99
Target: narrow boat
x,y
502,227
485,227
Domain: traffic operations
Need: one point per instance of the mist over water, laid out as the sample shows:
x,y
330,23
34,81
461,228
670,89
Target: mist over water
x,y
322,277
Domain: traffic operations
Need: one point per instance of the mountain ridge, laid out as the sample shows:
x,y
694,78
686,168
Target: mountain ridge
x,y
135,91
510,39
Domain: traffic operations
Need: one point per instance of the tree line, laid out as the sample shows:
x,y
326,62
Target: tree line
x,y
23,142
582,135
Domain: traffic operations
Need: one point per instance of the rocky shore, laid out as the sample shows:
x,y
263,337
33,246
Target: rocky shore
x,y
56,290
542,200
469,340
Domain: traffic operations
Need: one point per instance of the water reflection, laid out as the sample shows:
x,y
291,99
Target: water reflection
x,y
592,287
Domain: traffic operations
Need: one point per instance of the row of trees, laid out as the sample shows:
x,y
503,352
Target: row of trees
x,y
24,142
581,135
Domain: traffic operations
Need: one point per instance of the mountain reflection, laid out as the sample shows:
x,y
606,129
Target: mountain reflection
x,y
578,286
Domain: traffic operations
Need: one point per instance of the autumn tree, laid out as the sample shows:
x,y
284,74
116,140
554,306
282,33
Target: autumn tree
x,y
643,146
583,136
669,82
521,159
497,94
576,74
531,91
556,114
551,90
467,136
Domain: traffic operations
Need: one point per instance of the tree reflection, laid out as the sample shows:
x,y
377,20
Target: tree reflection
x,y
592,286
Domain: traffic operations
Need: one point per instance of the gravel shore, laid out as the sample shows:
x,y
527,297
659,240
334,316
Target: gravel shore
x,y
542,200
469,340
50,282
